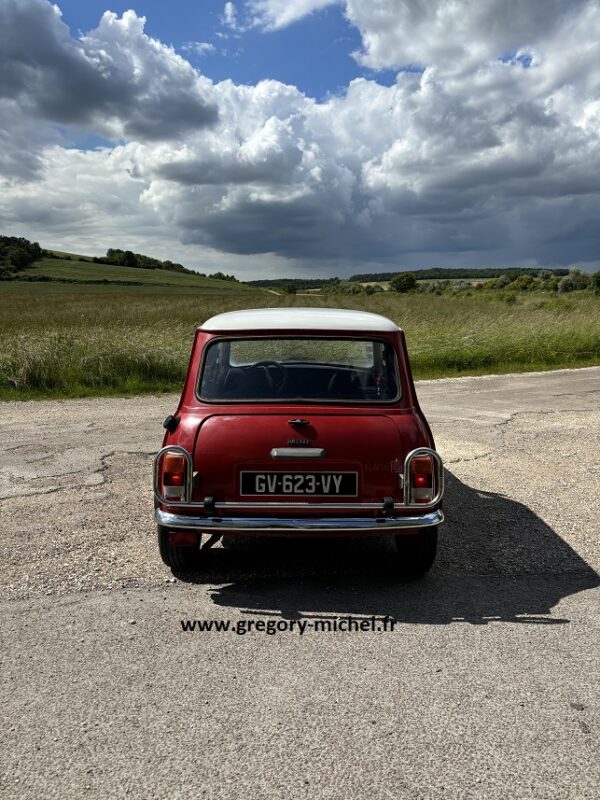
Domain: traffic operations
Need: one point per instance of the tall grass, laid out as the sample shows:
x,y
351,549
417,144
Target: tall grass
x,y
61,340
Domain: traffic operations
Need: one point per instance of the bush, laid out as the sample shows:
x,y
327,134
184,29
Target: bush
x,y
405,282
501,282
522,283
576,279
595,280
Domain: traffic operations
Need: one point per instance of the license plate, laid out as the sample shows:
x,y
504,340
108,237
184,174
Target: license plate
x,y
309,484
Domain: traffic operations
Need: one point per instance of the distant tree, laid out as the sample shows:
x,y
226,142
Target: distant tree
x,y
130,259
405,282
222,277
18,257
114,256
291,289
16,254
596,282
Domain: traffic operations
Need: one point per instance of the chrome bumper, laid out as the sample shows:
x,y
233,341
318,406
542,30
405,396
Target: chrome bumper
x,y
310,525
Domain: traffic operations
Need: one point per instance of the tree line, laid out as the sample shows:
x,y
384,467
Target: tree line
x,y
542,280
440,273
127,258
17,254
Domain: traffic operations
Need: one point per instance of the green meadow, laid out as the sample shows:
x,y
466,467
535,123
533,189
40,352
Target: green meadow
x,y
76,339
84,271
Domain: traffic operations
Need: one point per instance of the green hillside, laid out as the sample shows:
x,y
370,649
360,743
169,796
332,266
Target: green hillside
x,y
77,271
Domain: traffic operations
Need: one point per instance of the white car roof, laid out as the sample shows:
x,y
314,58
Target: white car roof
x,y
330,319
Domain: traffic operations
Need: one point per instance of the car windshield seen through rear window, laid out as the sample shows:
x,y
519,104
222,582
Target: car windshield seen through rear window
x,y
299,370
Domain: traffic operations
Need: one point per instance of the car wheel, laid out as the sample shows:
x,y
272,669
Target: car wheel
x,y
415,552
178,557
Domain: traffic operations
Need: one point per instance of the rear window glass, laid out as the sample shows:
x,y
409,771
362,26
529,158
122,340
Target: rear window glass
x,y
299,370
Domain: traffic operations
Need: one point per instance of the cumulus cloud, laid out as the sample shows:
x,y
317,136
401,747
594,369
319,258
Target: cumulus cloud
x,y
400,33
274,14
115,80
450,34
488,153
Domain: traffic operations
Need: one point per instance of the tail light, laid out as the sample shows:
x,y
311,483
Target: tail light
x,y
423,477
173,474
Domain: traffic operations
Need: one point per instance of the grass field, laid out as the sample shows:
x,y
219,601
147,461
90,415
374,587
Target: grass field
x,y
82,271
65,340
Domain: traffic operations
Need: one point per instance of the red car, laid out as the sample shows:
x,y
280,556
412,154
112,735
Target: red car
x,y
298,421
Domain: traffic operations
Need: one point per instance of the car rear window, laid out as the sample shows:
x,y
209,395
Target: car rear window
x,y
300,370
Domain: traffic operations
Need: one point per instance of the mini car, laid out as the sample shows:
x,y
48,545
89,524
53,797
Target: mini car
x,y
298,421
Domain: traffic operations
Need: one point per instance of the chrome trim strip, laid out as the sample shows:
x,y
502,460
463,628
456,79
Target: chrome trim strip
x,y
297,452
281,524
248,504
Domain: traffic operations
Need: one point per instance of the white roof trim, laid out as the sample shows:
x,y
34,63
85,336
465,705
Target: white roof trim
x,y
308,319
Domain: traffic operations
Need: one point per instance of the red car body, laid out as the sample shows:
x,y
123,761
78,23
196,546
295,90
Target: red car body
x,y
215,449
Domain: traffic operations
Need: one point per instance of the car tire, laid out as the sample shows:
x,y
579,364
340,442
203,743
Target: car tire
x,y
181,559
415,552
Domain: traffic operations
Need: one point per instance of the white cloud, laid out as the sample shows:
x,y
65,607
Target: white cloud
x,y
115,80
229,17
478,158
199,48
451,34
274,14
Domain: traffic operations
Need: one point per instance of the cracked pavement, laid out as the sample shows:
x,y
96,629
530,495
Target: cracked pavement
x,y
488,687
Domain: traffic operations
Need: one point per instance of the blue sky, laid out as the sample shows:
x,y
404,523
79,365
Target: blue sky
x,y
314,54
304,143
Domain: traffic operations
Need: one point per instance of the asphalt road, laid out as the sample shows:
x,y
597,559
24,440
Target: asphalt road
x,y
486,688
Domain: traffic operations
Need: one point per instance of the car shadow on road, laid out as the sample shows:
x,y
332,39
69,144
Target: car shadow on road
x,y
497,560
